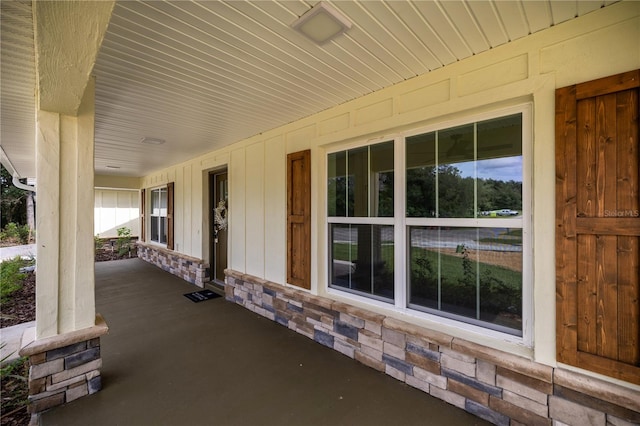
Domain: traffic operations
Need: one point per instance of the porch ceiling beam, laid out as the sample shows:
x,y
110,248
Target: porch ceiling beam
x,y
67,36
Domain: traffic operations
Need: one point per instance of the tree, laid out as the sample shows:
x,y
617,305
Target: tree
x,y
15,202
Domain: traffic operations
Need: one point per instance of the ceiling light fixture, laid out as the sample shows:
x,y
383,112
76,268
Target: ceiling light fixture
x,y
152,141
322,23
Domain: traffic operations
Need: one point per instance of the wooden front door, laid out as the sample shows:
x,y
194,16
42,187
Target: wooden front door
x,y
598,226
299,219
219,196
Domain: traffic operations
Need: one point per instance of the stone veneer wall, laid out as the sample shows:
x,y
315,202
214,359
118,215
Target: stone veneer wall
x,y
186,267
63,368
502,388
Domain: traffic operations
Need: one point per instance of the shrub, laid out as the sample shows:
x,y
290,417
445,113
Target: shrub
x,y
10,277
15,233
123,244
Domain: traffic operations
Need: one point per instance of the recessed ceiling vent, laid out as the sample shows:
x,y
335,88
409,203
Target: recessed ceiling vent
x,y
322,23
152,141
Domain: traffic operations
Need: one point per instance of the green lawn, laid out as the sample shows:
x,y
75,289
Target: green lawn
x,y
451,267
349,252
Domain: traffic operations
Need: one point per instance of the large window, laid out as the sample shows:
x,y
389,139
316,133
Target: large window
x,y
460,212
158,215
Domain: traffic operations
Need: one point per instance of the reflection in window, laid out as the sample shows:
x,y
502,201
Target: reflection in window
x,y
472,274
362,259
337,185
421,175
360,182
463,188
468,171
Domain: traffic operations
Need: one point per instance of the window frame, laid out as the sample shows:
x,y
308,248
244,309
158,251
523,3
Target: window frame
x,y
365,220
152,217
402,224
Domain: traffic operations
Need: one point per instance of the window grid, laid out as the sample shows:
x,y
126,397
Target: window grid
x,y
402,223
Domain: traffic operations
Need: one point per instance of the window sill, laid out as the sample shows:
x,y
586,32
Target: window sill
x,y
457,330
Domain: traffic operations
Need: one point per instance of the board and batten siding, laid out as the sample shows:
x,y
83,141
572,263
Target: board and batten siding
x,y
527,70
115,209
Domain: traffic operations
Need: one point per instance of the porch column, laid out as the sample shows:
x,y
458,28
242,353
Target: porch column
x,y
64,346
65,299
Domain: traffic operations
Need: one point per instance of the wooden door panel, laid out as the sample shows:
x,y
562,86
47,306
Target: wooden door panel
x,y
598,226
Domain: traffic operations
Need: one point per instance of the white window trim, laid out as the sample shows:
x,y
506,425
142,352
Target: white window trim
x,y
151,217
401,223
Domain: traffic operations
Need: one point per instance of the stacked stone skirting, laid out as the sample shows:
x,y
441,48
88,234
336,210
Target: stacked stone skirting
x,y
190,269
63,368
502,388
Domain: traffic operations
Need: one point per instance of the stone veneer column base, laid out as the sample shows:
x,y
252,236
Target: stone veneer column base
x,y
502,388
63,368
190,269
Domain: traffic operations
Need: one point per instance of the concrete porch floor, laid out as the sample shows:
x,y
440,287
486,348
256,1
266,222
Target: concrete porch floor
x,y
169,361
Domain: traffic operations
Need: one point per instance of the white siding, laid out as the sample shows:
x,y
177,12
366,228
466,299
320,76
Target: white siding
x,y
115,209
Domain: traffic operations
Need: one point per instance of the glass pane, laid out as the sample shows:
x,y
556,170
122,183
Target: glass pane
x,y
423,272
163,202
500,271
155,202
458,271
500,166
337,184
341,246
382,180
362,259
421,177
154,229
358,169
473,273
456,172
361,275
163,230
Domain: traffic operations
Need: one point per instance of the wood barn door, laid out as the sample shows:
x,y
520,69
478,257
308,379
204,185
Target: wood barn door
x,y
598,226
299,219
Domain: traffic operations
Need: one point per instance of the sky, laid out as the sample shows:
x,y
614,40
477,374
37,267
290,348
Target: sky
x,y
505,169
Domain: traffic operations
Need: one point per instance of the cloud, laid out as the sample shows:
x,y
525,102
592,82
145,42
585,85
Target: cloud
x,y
505,169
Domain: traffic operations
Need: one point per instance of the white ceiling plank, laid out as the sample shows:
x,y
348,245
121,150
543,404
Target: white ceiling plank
x,y
586,6
563,10
434,14
538,14
466,24
487,16
424,31
512,18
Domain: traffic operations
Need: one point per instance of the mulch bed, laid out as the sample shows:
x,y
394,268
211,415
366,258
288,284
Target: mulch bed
x,y
106,254
22,305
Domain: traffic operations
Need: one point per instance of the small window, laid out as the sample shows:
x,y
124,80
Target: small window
x,y
158,215
360,205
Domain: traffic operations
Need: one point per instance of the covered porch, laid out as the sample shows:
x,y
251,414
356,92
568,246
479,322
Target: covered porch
x,y
200,108
215,362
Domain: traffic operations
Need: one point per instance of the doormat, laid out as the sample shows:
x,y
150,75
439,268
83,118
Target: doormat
x,y
199,296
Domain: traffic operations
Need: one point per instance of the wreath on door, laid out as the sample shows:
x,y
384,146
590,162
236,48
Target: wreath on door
x,y
220,216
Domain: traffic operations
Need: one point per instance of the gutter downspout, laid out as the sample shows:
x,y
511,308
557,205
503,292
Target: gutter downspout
x,y
21,185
